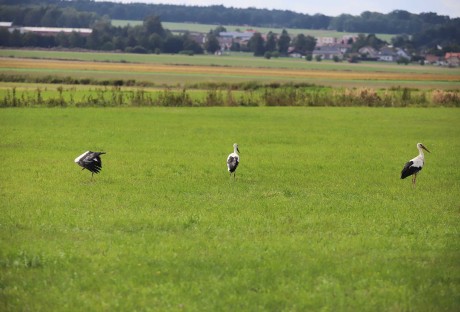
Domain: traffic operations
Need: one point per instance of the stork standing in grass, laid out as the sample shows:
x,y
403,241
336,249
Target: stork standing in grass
x,y
90,161
413,166
233,160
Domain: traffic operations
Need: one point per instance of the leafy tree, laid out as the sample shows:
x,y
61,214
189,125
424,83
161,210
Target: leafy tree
x,y
31,40
403,60
216,31
16,39
119,43
374,42
369,40
341,22
235,46
62,40
446,36
4,37
50,16
155,42
270,44
283,42
77,41
191,45
400,41
212,44
173,44
304,43
257,44
152,25
33,17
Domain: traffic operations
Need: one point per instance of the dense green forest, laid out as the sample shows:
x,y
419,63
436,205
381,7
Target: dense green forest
x,y
396,22
423,32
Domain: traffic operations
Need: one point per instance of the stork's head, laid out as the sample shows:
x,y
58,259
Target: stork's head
x,y
420,145
235,147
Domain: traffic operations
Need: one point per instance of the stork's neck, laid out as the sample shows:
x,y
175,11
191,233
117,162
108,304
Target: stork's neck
x,y
235,150
420,152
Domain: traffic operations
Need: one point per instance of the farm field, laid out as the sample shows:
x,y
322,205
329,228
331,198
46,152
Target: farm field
x,y
204,28
316,219
164,70
233,59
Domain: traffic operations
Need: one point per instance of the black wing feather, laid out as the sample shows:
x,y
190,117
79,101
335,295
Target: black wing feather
x,y
232,163
92,162
409,170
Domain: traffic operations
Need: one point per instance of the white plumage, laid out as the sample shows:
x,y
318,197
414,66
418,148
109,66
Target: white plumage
x,y
413,166
233,160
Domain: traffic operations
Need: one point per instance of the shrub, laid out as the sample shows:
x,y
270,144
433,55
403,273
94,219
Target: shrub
x,y
403,60
137,49
187,52
447,98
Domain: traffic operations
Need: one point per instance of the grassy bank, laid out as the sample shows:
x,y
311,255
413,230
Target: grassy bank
x,y
316,219
213,94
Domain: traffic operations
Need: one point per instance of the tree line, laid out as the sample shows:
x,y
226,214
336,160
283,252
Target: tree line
x,y
150,37
395,22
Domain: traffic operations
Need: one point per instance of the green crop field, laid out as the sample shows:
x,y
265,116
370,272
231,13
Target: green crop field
x,y
174,70
204,28
317,218
232,59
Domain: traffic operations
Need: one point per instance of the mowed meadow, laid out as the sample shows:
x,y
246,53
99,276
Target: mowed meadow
x,y
316,218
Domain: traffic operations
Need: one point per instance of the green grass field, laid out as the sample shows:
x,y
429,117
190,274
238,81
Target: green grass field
x,y
316,219
204,28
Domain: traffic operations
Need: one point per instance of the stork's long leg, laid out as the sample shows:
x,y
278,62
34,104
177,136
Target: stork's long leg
x,y
414,179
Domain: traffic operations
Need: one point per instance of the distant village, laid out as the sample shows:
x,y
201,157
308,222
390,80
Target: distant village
x,y
327,48
333,48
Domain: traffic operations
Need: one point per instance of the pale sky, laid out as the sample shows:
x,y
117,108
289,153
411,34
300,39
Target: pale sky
x,y
329,7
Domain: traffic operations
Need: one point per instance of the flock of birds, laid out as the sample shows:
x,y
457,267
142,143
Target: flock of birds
x,y
92,162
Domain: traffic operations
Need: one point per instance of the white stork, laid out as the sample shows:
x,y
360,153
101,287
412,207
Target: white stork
x,y
90,161
413,166
233,160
